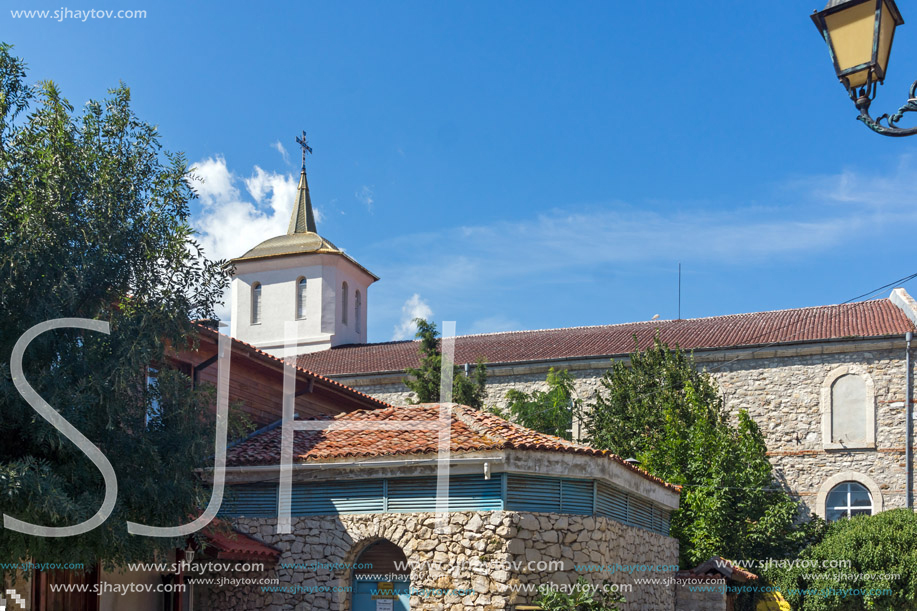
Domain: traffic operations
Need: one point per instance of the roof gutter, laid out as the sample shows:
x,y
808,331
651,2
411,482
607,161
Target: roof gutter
x,y
362,464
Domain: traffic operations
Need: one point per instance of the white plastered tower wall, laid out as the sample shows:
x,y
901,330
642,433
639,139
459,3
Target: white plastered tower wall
x,y
323,325
332,316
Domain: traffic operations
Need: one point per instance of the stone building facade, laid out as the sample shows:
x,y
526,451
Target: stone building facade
x,y
803,375
546,547
522,510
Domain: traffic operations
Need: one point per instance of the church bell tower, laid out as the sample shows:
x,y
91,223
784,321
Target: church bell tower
x,y
302,279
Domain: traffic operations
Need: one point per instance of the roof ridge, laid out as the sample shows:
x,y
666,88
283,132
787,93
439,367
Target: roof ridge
x,y
619,324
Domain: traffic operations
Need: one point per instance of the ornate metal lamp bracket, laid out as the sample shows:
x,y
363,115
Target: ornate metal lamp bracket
x,y
891,127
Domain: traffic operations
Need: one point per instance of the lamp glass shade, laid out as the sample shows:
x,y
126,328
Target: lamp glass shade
x,y
859,34
887,26
851,33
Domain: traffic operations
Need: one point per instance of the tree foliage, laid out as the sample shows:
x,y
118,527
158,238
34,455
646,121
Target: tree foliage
x,y
865,562
94,223
550,411
425,380
582,597
660,409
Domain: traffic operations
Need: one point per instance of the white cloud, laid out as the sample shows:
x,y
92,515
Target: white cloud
x,y
413,308
890,192
366,195
560,246
278,146
229,223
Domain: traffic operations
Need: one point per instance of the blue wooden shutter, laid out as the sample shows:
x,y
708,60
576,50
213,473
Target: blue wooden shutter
x,y
250,501
576,496
661,521
474,493
407,494
611,503
532,493
640,513
466,493
329,498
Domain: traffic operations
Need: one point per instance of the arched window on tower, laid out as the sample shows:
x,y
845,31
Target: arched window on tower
x,y
301,298
344,303
357,310
256,303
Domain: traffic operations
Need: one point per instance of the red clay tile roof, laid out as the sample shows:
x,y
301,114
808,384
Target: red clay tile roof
x,y
270,358
472,430
229,544
878,317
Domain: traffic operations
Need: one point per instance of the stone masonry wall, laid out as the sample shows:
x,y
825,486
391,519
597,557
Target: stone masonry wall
x,y
781,390
502,538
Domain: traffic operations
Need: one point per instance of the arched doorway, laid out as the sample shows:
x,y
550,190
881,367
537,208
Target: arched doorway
x,y
381,579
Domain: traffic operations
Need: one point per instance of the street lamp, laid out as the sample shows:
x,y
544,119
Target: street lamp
x,y
859,34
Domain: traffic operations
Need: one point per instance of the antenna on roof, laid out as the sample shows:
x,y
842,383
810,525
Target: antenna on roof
x,y
679,291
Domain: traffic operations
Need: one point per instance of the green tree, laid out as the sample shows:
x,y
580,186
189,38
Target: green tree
x,y
876,555
660,409
425,380
94,223
550,411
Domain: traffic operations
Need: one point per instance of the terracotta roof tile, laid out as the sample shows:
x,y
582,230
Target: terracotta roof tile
x,y
863,319
229,544
472,430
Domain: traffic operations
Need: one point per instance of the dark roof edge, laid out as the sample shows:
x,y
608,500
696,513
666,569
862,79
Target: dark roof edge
x,y
705,349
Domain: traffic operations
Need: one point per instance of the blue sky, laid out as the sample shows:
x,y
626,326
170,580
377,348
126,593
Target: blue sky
x,y
521,165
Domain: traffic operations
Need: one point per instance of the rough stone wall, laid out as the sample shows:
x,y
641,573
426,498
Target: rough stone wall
x,y
710,600
783,396
781,391
473,538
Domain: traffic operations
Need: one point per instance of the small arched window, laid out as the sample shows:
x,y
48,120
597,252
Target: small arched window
x,y
301,298
357,310
847,500
256,303
344,303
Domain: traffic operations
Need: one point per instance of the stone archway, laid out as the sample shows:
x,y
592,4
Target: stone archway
x,y
380,579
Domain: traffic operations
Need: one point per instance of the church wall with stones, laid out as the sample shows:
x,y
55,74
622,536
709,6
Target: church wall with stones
x,y
784,389
493,541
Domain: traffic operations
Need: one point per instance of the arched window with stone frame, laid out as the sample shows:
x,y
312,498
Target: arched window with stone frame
x,y
847,494
846,500
848,406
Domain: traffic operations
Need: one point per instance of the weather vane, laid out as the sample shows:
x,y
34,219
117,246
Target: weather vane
x,y
305,147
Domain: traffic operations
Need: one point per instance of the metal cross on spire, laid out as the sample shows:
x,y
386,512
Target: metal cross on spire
x,y
305,147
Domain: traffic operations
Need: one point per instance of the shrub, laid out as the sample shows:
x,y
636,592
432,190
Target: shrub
x,y
584,597
875,566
